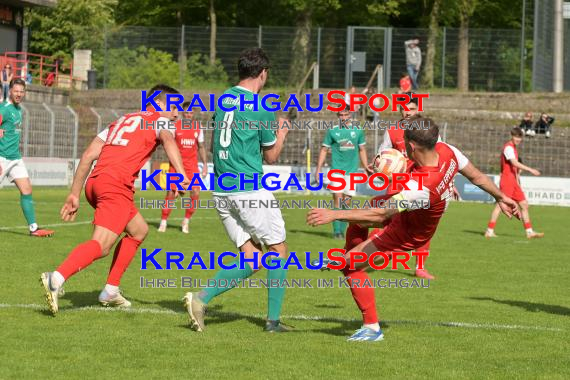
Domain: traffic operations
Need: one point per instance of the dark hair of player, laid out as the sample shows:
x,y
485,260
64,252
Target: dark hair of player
x,y
426,138
252,62
404,75
517,132
185,105
164,89
17,81
346,109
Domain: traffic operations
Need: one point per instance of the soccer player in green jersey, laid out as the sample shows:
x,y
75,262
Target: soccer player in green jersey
x,y
11,164
347,146
240,150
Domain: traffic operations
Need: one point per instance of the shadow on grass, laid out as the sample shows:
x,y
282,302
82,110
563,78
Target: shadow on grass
x,y
529,306
25,233
315,233
81,299
482,234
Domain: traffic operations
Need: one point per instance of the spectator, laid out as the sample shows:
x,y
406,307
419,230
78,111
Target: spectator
x,y
413,60
543,124
353,114
405,83
7,76
526,124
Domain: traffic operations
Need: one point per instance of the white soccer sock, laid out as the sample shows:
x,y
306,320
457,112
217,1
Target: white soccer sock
x,y
529,231
490,230
57,279
33,227
372,326
163,221
111,289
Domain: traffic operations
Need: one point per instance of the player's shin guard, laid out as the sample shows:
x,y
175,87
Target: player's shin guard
x,y
363,295
80,258
275,290
27,204
166,210
125,251
355,235
190,211
236,273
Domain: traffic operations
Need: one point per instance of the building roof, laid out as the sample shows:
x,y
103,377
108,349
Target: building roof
x,y
31,3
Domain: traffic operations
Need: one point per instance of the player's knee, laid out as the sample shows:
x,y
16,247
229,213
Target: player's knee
x,y
141,232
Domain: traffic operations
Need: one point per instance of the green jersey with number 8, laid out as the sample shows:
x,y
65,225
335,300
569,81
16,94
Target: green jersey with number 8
x,y
238,139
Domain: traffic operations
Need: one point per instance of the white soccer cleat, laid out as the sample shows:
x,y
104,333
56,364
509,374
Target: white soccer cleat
x,y
162,226
52,293
113,300
196,310
185,227
490,234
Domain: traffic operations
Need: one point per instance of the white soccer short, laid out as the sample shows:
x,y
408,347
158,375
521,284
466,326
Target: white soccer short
x,y
263,225
12,169
346,190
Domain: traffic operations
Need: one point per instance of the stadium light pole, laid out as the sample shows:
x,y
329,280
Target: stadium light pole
x,y
558,54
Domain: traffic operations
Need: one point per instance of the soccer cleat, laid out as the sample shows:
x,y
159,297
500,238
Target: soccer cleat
x,y
185,228
366,335
196,310
51,293
535,235
325,263
277,327
423,273
490,234
113,300
41,233
162,226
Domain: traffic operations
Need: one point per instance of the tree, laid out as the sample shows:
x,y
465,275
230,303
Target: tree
x,y
213,29
433,32
466,9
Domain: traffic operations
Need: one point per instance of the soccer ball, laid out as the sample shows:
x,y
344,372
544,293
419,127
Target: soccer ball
x,y
389,161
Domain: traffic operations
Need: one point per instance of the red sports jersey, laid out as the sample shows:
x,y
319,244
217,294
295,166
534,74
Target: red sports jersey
x,y
128,146
394,138
509,172
187,138
410,229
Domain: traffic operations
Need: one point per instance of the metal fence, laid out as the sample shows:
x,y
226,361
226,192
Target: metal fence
x,y
345,56
63,132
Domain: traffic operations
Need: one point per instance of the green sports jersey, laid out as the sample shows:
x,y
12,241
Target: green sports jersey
x,y
11,123
344,144
237,143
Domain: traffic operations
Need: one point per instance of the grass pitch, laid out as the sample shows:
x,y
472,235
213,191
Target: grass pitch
x,y
498,309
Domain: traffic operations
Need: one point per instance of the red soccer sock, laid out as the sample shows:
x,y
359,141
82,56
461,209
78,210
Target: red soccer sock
x,y
355,235
166,211
80,258
190,211
363,296
125,251
491,225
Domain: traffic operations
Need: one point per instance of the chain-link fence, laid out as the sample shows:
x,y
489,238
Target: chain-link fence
x,y
345,56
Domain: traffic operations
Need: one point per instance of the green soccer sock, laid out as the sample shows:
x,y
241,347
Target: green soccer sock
x,y
234,274
343,225
275,294
27,204
337,225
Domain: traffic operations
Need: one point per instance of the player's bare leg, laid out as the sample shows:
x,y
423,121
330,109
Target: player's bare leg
x,y
136,231
195,302
27,204
80,258
490,232
170,195
530,233
185,227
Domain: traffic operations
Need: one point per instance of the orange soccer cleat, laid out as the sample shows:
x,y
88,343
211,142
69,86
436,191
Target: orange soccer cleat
x,y
42,233
423,273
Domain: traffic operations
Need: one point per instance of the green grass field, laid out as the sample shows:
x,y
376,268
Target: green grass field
x,y
498,309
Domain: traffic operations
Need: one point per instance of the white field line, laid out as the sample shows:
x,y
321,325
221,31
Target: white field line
x,y
468,325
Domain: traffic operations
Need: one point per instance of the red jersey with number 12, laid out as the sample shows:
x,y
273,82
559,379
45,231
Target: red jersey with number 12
x,y
128,146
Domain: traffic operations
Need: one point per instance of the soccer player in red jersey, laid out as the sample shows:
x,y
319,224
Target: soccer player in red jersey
x,y
510,184
190,140
410,227
394,138
120,150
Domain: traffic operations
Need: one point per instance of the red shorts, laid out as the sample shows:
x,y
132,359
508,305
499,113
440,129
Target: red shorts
x,y
113,203
189,169
513,191
378,241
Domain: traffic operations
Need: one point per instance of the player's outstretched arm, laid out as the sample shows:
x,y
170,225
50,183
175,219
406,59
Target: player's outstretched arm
x,y
321,160
169,144
71,205
376,216
271,154
507,205
516,163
